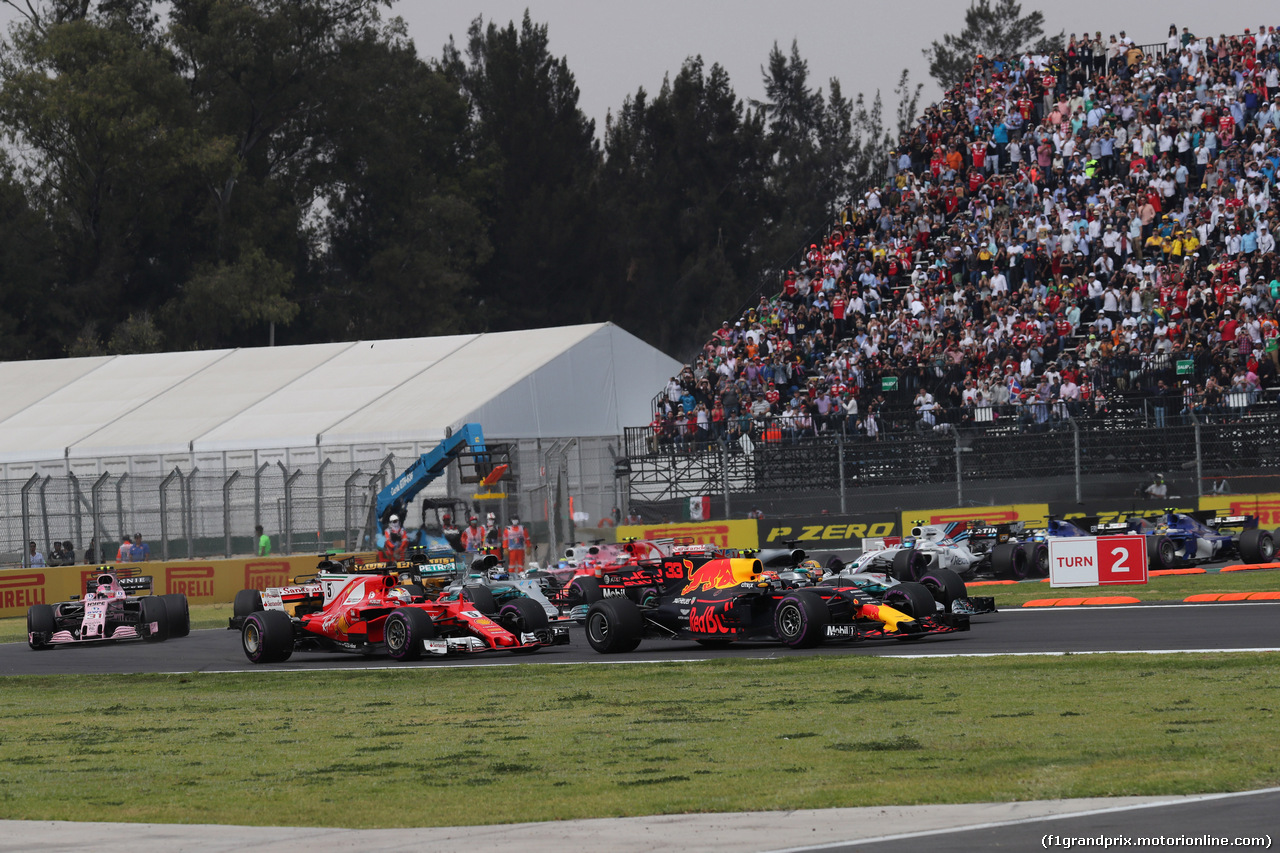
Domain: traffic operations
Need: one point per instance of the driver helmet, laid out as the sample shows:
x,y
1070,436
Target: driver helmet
x,y
811,565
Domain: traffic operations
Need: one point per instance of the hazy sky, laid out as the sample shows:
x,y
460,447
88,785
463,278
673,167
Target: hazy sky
x,y
614,47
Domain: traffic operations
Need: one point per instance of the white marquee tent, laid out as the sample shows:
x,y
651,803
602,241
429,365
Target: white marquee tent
x,y
233,408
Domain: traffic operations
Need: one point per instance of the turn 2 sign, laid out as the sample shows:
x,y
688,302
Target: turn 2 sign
x,y
1097,560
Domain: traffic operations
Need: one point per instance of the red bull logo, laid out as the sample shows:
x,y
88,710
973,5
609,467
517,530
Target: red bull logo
x,y
714,574
191,581
21,590
266,575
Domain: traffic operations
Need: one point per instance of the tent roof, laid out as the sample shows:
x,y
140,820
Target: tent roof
x,y
577,380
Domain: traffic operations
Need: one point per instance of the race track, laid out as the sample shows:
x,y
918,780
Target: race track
x,y
1242,626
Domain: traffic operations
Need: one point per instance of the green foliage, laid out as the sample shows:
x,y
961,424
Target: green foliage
x,y
194,173
991,28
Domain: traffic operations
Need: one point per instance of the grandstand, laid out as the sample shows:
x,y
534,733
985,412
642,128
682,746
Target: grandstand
x,y
1081,242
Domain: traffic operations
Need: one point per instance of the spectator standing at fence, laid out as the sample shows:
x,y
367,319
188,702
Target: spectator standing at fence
x,y
141,551
91,552
35,559
264,541
124,553
56,555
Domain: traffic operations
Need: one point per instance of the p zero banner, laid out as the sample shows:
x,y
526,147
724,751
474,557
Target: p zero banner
x,y
201,581
824,532
958,520
723,534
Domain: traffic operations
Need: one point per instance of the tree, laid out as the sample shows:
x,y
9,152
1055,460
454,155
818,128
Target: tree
x,y
683,187
542,212
991,28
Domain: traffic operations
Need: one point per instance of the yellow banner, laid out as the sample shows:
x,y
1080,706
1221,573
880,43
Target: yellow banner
x,y
723,534
1033,514
1266,506
201,581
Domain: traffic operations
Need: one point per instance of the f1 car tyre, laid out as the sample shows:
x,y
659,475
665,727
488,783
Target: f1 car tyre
x,y
1161,552
522,614
800,619
175,604
909,564
1037,559
153,610
482,598
41,624
913,599
267,636
614,625
944,585
404,631
1257,546
247,601
586,589
1008,560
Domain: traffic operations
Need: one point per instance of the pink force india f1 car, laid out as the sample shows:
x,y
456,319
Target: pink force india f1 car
x,y
108,612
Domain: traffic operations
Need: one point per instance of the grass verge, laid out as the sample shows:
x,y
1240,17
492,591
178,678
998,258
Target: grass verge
x,y
446,746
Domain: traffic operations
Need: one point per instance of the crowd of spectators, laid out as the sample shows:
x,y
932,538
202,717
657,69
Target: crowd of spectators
x,y
1057,233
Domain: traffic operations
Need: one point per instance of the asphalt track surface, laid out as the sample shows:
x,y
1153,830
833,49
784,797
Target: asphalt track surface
x,y
1189,823
1236,626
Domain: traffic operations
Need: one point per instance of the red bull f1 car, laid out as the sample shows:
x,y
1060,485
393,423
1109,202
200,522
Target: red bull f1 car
x,y
368,609
109,612
715,598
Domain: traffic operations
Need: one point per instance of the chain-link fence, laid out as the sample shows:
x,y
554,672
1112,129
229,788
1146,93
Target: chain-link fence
x,y
1068,463
554,486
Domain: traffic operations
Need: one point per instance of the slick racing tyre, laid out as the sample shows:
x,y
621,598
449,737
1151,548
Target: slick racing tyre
x,y
1037,559
944,585
913,599
614,625
584,590
1161,552
175,604
41,623
521,615
1257,546
404,631
482,598
909,564
153,610
267,636
800,619
1009,561
247,601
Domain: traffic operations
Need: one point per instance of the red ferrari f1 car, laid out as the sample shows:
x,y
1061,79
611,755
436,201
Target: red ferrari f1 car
x,y
367,609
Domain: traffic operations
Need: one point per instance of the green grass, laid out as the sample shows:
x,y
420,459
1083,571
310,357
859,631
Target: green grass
x,y
422,747
1166,588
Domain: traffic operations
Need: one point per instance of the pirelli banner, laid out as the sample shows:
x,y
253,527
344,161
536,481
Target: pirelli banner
x,y
722,534
1265,507
957,520
201,581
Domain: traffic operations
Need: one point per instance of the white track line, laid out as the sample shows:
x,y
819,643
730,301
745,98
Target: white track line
x,y
1022,821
